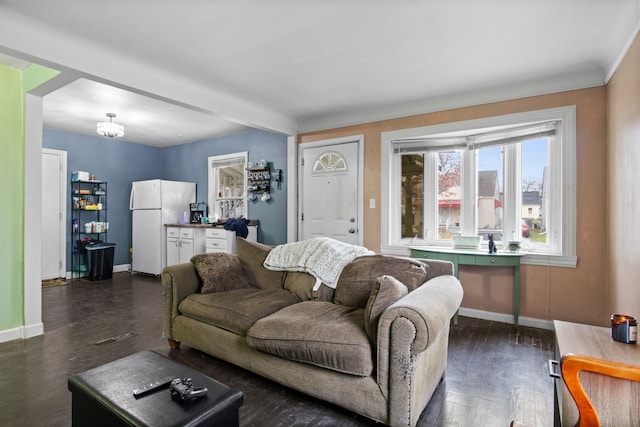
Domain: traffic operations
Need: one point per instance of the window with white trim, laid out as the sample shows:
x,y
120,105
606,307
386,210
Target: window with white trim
x,y
484,177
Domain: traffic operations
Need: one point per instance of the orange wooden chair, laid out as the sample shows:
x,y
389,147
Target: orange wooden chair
x,y
571,365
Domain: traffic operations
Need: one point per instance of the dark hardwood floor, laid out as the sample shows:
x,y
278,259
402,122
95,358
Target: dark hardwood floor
x,y
494,374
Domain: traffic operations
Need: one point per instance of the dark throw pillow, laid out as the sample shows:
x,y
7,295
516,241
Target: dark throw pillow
x,y
219,272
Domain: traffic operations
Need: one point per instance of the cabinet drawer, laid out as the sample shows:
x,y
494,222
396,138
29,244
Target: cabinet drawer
x,y
186,233
216,233
468,259
217,245
503,261
173,232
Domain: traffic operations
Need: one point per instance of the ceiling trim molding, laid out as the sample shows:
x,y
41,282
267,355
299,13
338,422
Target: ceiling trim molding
x,y
587,77
624,51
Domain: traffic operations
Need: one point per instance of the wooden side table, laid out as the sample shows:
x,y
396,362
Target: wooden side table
x,y
475,257
615,400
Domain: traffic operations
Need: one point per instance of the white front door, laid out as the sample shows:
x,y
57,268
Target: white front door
x,y
330,192
53,214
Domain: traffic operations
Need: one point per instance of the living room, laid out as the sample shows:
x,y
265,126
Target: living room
x,y
602,281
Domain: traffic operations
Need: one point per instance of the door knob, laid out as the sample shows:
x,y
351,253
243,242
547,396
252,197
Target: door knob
x,y
352,230
352,219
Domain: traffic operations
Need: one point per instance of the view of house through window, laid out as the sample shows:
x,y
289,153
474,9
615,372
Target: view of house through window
x,y
492,172
490,193
510,176
535,191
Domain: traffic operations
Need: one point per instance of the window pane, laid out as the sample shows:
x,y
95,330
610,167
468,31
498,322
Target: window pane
x,y
490,192
535,208
412,196
448,194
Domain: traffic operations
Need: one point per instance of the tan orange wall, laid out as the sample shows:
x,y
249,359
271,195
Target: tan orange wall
x,y
574,294
623,110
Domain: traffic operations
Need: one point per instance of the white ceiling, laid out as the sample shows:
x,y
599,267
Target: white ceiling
x,y
180,71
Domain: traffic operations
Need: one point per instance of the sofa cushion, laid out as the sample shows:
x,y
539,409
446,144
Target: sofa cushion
x,y
238,309
219,272
359,277
386,291
252,256
316,332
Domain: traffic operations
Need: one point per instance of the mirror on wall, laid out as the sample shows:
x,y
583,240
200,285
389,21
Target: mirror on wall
x,y
227,186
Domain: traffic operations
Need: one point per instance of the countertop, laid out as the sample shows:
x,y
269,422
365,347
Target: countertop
x,y
252,223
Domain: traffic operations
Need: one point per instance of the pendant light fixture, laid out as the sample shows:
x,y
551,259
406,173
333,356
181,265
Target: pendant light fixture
x,y
110,129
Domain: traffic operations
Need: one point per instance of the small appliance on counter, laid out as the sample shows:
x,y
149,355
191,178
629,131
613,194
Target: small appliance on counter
x,y
198,211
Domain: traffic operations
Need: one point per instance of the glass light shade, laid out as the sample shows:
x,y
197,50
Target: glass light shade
x,y
110,129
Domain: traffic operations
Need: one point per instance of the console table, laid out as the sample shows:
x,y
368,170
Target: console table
x,y
476,257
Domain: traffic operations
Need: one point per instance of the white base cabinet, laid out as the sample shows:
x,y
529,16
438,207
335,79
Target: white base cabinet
x,y
221,240
183,243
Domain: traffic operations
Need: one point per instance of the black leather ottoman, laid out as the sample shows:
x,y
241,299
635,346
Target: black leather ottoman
x,y
103,396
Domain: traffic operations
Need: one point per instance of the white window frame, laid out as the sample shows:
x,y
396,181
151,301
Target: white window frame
x,y
215,162
562,180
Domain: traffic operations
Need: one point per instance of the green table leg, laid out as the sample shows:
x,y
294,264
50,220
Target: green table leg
x,y
455,273
516,293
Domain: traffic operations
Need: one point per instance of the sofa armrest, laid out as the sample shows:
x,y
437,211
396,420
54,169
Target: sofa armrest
x,y
426,311
178,282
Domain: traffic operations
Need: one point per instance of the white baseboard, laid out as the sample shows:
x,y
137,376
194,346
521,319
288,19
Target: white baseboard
x,y
506,318
29,331
10,334
116,269
21,332
122,267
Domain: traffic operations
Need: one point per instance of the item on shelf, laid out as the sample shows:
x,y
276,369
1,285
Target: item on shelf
x,y
88,217
513,246
259,181
466,242
79,176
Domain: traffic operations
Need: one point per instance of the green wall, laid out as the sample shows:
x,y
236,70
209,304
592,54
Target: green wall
x,y
13,86
11,198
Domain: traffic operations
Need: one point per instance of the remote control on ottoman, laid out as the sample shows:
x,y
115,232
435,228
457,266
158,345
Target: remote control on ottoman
x,y
147,389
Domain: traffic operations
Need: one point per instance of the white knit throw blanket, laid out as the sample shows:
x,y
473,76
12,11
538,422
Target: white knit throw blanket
x,y
322,257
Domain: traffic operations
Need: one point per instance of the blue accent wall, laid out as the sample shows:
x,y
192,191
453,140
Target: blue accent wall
x,y
120,163
189,163
115,161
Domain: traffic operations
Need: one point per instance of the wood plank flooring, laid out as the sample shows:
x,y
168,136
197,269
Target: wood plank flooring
x,y
494,374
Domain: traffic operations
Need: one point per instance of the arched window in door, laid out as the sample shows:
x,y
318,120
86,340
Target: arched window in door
x,y
329,162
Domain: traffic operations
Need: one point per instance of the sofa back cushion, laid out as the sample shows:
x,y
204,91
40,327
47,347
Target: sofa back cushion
x,y
301,284
386,291
317,332
252,256
360,276
219,272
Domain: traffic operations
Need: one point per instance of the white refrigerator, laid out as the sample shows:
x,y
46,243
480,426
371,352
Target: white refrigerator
x,y
155,203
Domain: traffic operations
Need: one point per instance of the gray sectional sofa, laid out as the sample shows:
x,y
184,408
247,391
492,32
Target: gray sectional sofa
x,y
376,344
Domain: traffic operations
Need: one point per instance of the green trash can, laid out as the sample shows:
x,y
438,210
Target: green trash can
x,y
101,260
